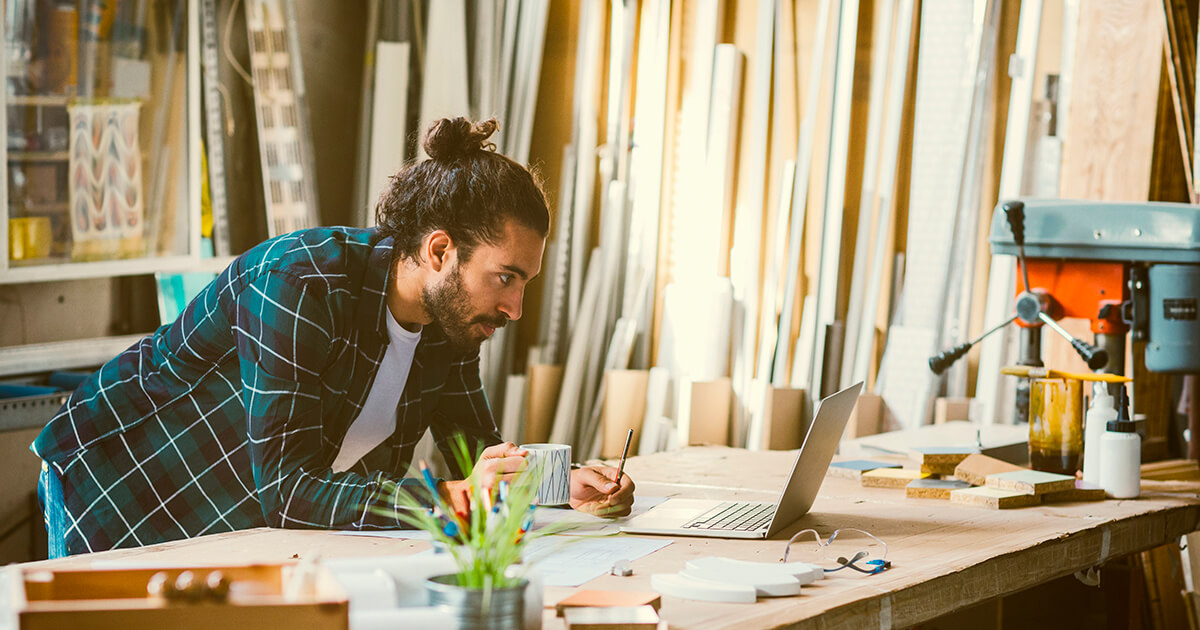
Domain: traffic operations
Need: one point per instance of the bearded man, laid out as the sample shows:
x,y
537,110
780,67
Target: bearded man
x,y
294,388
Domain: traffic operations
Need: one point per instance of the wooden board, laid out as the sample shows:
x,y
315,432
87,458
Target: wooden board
x,y
541,398
891,477
976,467
937,469
1108,144
1030,482
783,419
624,408
854,468
933,488
1083,491
993,498
943,455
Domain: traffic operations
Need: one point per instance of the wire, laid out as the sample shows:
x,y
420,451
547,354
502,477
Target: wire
x,y
229,51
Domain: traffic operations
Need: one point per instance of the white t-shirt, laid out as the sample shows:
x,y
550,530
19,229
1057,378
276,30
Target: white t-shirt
x,y
377,420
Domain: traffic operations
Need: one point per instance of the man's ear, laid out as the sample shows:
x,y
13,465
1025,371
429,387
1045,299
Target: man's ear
x,y
438,246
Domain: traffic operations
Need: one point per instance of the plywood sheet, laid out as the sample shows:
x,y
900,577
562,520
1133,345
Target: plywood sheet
x,y
1108,146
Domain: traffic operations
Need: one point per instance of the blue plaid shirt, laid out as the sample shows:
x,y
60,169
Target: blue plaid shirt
x,y
230,417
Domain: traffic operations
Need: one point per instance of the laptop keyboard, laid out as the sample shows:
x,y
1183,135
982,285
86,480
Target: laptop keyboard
x,y
734,516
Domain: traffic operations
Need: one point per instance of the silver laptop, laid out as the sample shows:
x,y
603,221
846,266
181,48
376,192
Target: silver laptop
x,y
744,519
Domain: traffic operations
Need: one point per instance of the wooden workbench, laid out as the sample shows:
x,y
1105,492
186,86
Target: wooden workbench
x,y
946,556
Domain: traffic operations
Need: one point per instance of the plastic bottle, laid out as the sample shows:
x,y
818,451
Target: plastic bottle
x,y
1121,455
1099,414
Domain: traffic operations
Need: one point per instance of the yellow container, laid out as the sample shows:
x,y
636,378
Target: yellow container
x,y
29,238
1056,425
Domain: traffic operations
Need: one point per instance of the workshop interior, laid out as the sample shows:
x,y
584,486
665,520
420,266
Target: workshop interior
x,y
984,211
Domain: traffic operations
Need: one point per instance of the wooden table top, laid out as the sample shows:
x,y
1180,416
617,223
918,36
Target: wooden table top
x,y
945,556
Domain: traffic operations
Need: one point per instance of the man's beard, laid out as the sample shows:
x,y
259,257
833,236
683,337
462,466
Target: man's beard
x,y
450,306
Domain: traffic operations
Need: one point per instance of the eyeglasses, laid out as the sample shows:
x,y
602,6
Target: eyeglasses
x,y
857,562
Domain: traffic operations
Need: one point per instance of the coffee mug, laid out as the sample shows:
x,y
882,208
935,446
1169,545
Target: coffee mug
x,y
552,464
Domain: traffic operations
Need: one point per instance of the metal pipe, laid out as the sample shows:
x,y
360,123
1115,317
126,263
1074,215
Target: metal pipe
x,y
1031,355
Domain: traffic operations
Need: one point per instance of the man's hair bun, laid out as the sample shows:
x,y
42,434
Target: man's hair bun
x,y
452,139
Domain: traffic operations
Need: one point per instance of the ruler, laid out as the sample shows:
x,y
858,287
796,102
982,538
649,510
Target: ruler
x,y
213,136
285,149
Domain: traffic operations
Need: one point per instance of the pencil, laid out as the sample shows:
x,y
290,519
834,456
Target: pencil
x,y
624,454
1036,372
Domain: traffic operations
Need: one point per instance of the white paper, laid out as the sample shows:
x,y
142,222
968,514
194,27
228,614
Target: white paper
x,y
571,561
406,534
588,525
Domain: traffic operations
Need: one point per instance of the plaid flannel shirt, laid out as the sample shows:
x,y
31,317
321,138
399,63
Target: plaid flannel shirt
x,y
230,417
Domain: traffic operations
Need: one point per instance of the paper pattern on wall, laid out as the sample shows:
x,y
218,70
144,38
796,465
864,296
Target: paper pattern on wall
x,y
105,181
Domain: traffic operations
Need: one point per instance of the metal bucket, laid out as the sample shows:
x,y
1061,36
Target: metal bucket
x,y
475,608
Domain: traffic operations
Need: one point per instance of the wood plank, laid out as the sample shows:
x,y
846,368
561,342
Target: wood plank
x,y
1030,482
867,215
933,488
977,466
830,296
389,117
793,291
900,83
994,399
890,477
994,498
748,254
444,78
1110,128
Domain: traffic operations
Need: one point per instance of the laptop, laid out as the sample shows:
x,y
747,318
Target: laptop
x,y
746,519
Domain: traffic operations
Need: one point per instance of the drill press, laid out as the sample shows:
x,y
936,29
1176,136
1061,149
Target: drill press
x,y
1127,267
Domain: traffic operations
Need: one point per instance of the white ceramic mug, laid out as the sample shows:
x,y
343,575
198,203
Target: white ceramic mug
x,y
553,463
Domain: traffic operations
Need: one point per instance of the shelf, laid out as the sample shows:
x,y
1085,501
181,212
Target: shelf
x,y
65,270
62,355
106,268
39,209
39,99
39,156
30,412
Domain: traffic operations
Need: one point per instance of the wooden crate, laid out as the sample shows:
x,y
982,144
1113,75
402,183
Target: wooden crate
x,y
111,599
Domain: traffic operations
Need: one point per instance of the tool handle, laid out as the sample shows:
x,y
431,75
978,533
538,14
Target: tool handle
x,y
1014,213
938,363
1096,357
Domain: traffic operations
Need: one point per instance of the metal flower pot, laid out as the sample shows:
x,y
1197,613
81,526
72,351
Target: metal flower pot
x,y
475,608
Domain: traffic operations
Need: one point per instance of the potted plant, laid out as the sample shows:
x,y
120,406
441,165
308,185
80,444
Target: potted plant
x,y
486,540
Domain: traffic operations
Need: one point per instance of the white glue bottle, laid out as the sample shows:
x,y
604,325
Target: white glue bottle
x,y
1121,455
1099,414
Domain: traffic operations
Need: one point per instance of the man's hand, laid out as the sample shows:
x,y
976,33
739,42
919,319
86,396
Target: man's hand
x,y
498,462
593,491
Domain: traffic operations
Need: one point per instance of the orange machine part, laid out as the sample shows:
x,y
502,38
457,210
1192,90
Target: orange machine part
x,y
1080,288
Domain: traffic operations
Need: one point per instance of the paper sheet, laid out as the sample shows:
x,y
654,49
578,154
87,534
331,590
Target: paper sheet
x,y
588,525
406,534
571,561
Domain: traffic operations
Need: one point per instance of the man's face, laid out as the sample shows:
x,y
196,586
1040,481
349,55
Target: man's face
x,y
475,298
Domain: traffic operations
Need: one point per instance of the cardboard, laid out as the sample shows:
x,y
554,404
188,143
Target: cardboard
x,y
624,409
946,409
601,598
541,397
785,422
867,417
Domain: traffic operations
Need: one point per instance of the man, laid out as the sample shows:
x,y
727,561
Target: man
x,y
297,383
